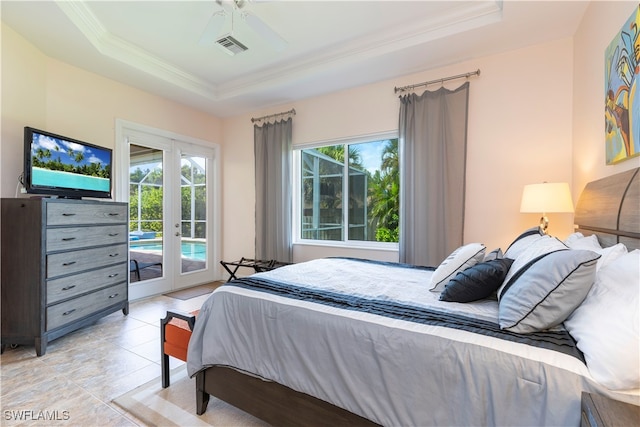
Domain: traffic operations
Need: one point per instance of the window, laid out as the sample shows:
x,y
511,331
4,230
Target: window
x,y
350,192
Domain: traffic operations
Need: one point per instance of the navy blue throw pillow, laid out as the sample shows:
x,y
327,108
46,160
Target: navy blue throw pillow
x,y
477,282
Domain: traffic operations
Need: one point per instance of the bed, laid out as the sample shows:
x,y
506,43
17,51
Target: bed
x,y
345,341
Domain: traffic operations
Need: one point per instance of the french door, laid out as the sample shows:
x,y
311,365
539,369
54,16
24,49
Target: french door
x,y
173,209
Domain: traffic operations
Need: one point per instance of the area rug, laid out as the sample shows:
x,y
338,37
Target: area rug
x,y
196,291
176,405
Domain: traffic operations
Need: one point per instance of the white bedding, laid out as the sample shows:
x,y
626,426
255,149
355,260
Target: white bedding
x,y
391,371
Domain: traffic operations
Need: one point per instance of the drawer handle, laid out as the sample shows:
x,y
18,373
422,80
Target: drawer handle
x,y
113,234
66,313
113,296
66,264
68,214
68,239
114,255
113,275
67,288
113,214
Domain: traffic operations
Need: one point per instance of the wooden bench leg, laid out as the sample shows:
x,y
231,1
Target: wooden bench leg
x,y
165,370
190,319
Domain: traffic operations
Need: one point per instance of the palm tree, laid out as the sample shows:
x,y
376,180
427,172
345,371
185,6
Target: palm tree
x,y
41,154
390,159
384,195
78,157
337,152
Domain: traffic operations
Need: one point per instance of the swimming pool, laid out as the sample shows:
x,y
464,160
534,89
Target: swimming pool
x,y
191,250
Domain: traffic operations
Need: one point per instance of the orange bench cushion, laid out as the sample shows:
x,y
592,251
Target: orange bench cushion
x,y
176,337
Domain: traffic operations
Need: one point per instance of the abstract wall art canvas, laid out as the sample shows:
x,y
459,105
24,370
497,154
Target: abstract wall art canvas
x,y
622,96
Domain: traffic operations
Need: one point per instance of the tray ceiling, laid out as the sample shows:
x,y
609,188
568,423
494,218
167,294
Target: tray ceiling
x,y
157,46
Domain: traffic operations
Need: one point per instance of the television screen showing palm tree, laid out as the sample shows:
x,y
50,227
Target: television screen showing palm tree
x,y
65,163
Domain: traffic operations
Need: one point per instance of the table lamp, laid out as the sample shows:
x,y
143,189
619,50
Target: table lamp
x,y
548,197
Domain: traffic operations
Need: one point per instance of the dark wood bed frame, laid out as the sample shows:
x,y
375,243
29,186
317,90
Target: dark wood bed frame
x,y
608,207
272,402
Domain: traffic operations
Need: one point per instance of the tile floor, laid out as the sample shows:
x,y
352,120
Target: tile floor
x,y
76,380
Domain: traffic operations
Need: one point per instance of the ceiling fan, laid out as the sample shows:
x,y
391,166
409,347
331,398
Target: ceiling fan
x,y
230,44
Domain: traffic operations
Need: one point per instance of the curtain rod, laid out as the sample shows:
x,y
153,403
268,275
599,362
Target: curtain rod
x,y
255,119
459,76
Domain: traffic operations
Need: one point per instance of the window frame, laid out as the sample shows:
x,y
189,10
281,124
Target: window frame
x,y
297,188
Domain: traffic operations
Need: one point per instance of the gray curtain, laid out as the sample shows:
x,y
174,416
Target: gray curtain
x,y
272,148
433,141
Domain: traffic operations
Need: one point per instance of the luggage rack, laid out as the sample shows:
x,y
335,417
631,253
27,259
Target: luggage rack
x,y
258,265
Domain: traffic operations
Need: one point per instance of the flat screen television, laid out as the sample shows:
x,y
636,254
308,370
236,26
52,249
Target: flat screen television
x,y
65,167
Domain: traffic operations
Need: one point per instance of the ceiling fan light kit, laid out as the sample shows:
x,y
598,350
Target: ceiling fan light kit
x,y
266,32
213,27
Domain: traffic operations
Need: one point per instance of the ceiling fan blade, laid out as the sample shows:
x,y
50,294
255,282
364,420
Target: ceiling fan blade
x,y
260,27
213,28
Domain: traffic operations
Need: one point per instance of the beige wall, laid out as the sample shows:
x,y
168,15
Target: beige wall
x,y
23,85
601,22
45,93
519,133
535,115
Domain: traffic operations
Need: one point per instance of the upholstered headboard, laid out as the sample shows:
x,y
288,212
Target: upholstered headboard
x,y
610,208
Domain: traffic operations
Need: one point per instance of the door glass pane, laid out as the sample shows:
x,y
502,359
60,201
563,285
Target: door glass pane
x,y
193,208
146,219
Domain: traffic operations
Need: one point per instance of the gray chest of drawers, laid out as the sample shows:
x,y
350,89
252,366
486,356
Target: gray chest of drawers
x,y
64,266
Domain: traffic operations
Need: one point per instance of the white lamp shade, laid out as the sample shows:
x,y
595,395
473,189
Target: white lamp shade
x,y
546,198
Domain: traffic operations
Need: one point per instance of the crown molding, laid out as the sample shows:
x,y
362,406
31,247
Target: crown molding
x,y
458,19
119,49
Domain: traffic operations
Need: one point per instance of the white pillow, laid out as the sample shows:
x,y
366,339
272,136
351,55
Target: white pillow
x,y
462,258
589,242
494,254
610,254
522,242
606,325
536,246
572,238
547,290
578,241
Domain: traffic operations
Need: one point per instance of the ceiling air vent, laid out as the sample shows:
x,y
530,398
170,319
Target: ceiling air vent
x,y
230,45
